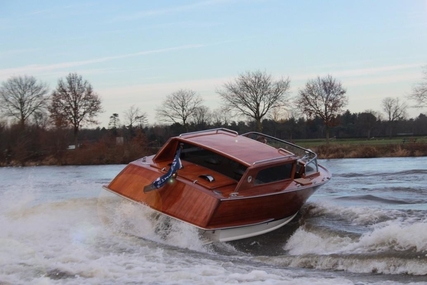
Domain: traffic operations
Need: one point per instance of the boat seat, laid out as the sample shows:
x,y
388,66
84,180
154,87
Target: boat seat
x,y
207,177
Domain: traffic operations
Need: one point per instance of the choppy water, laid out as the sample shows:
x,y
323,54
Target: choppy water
x,y
368,225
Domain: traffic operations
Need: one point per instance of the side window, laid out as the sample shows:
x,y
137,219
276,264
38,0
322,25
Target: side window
x,y
275,173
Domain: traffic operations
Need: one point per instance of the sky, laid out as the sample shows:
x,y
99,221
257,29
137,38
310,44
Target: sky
x,y
135,53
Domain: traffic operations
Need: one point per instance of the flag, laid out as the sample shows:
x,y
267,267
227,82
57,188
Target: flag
x,y
161,181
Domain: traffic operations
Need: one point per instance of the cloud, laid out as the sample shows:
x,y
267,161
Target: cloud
x,y
36,68
377,70
170,10
366,76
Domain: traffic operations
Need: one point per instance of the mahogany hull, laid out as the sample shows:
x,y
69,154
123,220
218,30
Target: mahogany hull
x,y
189,202
251,210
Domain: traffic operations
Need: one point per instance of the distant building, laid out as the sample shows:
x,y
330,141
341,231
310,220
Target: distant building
x,y
119,140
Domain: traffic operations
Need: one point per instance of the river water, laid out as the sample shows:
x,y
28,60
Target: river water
x,y
368,225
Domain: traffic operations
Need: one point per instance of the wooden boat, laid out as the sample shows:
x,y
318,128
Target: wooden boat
x,y
230,186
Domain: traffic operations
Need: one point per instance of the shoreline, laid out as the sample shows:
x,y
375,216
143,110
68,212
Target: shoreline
x,y
113,155
332,151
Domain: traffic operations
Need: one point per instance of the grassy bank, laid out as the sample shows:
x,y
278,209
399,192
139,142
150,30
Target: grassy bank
x,y
99,153
359,148
105,152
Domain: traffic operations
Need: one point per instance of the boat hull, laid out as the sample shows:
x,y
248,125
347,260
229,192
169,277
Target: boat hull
x,y
230,233
237,233
258,209
206,209
219,218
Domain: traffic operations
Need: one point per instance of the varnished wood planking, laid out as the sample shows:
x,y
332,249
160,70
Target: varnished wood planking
x,y
131,181
195,205
187,203
176,199
234,212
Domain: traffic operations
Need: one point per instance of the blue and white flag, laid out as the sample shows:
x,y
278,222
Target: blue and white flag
x,y
161,181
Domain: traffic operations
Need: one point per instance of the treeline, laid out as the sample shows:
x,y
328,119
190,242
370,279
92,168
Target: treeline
x,y
46,127
37,144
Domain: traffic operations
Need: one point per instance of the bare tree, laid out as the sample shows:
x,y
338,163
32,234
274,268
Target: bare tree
x,y
220,117
394,110
254,95
279,114
22,97
324,98
202,116
419,92
134,116
74,103
41,119
179,107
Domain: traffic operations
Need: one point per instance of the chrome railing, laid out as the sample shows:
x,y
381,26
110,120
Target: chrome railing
x,y
217,130
306,156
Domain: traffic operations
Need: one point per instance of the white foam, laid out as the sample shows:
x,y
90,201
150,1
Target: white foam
x,y
352,263
354,215
304,242
391,235
375,251
139,220
74,242
395,235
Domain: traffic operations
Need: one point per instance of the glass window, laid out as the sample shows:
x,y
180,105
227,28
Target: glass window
x,y
212,161
275,173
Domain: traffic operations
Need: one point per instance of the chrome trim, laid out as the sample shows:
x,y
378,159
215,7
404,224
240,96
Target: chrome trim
x,y
307,156
209,131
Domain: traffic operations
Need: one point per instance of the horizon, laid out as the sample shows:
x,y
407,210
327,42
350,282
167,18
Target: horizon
x,y
139,53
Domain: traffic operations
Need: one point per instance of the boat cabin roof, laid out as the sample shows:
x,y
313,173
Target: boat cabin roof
x,y
227,143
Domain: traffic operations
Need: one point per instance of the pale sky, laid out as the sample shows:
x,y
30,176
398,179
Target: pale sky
x,y
138,52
